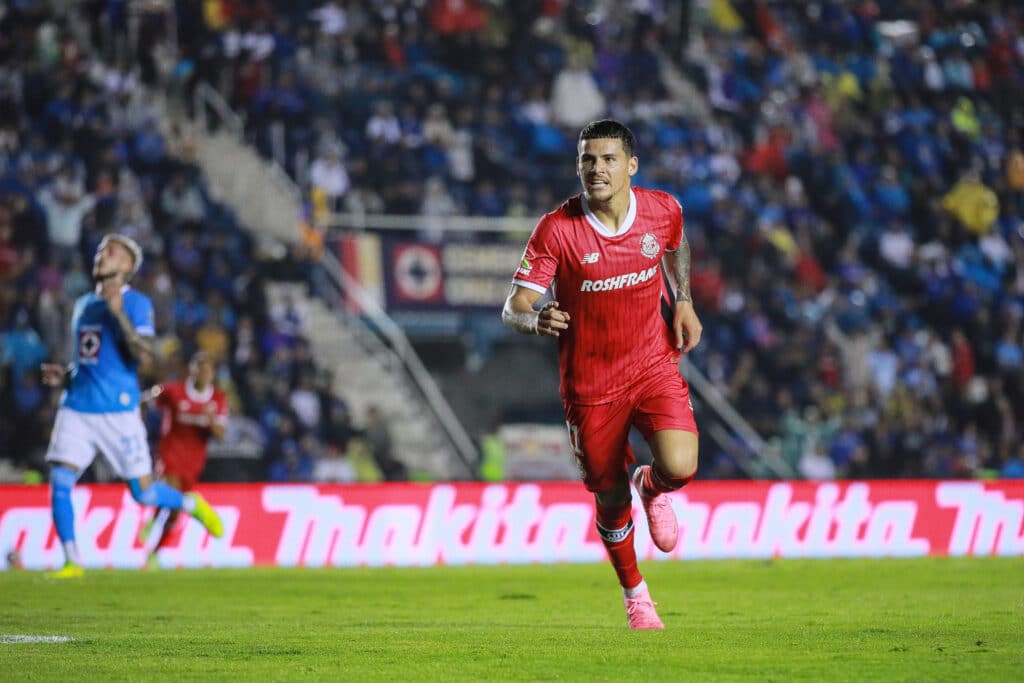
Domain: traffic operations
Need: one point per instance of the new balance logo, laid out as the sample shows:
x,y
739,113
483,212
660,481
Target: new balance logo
x,y
591,257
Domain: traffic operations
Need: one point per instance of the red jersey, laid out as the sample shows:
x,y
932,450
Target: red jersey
x,y
184,433
611,285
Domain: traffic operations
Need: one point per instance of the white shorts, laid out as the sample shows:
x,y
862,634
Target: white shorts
x,y
121,437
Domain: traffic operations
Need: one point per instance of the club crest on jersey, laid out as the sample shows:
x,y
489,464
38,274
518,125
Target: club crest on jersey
x,y
649,246
89,340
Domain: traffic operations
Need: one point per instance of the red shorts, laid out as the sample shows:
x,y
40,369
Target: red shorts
x,y
599,433
187,470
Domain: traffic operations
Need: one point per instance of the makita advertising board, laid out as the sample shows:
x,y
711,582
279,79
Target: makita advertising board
x,y
469,523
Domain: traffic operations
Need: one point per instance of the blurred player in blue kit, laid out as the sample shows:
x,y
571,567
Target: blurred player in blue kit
x,y
112,329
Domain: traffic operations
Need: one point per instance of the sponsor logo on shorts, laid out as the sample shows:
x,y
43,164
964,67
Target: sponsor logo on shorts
x,y
619,281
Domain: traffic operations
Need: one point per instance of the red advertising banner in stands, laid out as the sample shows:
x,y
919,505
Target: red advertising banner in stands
x,y
417,525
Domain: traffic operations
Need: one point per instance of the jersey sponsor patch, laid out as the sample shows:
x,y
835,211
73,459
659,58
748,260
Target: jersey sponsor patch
x,y
592,257
619,281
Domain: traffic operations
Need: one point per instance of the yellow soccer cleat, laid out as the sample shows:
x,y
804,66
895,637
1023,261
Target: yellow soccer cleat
x,y
206,515
70,570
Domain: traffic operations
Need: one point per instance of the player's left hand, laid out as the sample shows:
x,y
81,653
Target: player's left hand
x,y
53,374
110,290
687,326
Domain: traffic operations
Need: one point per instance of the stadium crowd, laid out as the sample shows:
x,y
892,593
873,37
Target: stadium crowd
x,y
851,175
82,153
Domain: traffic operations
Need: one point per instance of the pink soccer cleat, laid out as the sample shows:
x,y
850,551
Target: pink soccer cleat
x,y
661,518
641,614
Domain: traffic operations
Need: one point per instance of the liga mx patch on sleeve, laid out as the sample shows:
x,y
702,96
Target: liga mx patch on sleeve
x,y
525,267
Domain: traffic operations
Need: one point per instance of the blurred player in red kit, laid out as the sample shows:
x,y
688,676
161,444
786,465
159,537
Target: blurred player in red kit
x,y
620,331
193,411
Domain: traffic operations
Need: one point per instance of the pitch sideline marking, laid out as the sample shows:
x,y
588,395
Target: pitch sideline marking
x,y
14,638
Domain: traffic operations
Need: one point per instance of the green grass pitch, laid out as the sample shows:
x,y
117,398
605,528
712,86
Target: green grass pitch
x,y
791,620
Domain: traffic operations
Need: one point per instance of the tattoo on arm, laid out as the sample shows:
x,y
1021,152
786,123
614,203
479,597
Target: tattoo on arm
x,y
135,343
682,271
520,321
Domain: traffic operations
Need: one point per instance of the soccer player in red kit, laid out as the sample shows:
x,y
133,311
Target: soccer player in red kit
x,y
193,411
620,332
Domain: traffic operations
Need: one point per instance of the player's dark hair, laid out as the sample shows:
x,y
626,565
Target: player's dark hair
x,y
201,357
609,128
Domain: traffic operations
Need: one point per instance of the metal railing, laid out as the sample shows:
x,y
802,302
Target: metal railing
x,y
383,328
380,221
398,343
725,412
206,96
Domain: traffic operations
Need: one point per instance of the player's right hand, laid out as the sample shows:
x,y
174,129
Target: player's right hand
x,y
53,374
551,320
110,291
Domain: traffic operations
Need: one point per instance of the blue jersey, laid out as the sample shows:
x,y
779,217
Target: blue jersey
x,y
105,376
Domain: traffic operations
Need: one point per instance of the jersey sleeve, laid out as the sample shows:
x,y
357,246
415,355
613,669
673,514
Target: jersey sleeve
x,y
540,260
164,400
140,312
675,236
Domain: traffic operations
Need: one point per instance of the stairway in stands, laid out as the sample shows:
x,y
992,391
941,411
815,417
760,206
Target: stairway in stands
x,y
367,373
367,370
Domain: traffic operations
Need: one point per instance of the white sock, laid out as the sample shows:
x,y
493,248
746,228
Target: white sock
x,y
188,503
71,552
635,590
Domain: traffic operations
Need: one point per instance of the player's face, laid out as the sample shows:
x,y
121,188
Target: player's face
x,y
604,168
114,258
202,373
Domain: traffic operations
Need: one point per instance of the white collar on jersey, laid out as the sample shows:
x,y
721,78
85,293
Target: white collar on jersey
x,y
600,227
194,395
124,288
